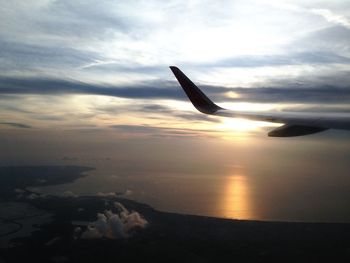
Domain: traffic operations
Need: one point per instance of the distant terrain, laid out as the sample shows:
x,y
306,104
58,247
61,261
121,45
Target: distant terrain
x,y
21,177
165,237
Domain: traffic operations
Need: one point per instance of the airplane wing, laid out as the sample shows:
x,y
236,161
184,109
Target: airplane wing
x,y
295,124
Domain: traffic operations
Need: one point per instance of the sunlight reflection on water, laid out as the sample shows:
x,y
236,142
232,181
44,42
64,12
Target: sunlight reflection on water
x,y
236,201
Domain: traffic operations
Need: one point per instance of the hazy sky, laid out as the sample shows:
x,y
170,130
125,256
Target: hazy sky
x,y
104,64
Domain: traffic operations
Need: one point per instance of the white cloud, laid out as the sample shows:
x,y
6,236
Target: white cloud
x,y
332,17
114,225
91,233
93,34
133,220
120,207
153,32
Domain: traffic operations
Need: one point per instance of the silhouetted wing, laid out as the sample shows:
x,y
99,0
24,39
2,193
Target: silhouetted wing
x,y
296,124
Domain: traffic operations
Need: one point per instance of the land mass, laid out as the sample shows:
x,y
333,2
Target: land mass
x,y
21,177
172,237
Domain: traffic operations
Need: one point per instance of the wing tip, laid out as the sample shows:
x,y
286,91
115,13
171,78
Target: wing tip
x,y
174,69
200,101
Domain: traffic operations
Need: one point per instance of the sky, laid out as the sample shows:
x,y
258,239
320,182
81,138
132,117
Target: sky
x,y
104,64
88,83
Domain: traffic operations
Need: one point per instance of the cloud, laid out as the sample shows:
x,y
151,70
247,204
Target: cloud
x,y
153,111
332,17
114,225
20,56
28,195
143,130
69,194
128,192
57,86
186,115
293,58
32,196
53,241
330,40
41,181
108,195
16,125
146,36
294,94
63,20
320,108
301,89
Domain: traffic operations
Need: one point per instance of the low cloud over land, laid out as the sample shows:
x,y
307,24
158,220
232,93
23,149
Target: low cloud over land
x,y
114,225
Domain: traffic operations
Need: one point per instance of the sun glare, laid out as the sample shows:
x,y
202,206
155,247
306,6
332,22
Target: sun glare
x,y
248,106
241,125
232,95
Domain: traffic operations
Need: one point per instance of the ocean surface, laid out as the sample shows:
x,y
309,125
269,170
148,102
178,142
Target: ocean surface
x,y
306,181
303,179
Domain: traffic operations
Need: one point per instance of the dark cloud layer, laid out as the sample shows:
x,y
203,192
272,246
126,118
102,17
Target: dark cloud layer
x,y
51,87
153,108
146,130
21,56
171,90
191,116
16,125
